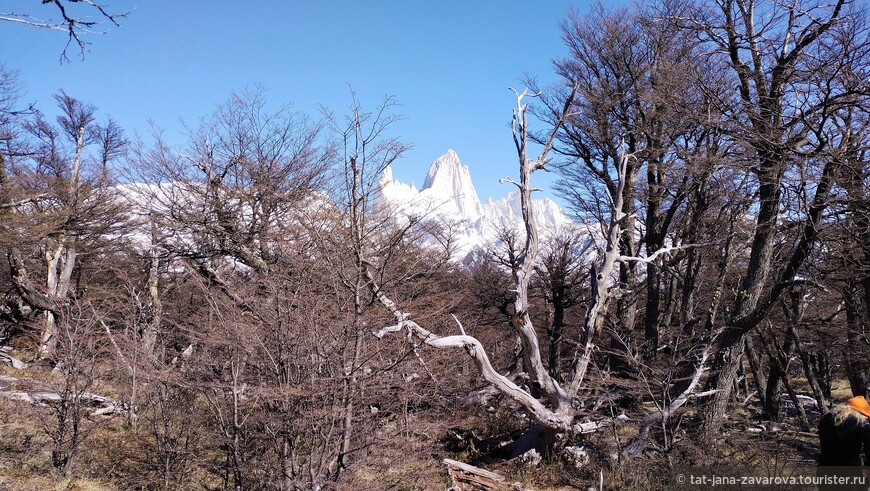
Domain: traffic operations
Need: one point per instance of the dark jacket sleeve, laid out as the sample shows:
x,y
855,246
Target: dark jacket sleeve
x,y
827,440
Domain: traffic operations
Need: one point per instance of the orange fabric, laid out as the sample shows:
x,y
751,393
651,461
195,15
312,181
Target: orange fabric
x,y
859,404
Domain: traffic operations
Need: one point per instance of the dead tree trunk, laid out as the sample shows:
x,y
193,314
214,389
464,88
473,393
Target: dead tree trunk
x,y
154,306
554,410
465,477
61,257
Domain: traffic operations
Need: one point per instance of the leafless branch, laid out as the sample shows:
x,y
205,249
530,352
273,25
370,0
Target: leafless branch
x,y
477,352
640,442
74,24
664,251
24,201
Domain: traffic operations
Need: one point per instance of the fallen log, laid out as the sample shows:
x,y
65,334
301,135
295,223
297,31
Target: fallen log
x,y
16,363
108,406
466,477
42,395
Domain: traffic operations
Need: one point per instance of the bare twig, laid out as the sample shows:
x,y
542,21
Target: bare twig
x,y
74,25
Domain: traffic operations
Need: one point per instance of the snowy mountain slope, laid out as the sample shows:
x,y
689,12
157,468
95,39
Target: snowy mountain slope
x,y
449,197
447,191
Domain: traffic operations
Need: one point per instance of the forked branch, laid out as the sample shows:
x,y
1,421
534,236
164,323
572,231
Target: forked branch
x,y
477,352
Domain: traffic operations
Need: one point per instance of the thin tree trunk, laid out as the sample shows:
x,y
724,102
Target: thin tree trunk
x,y
856,351
651,316
350,386
555,359
152,327
810,374
755,368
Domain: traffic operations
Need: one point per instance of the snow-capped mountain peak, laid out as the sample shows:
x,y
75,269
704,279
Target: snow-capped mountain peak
x,y
448,195
448,185
386,176
447,190
444,168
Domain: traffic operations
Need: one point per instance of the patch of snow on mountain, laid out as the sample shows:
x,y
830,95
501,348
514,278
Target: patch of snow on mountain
x,y
508,212
392,194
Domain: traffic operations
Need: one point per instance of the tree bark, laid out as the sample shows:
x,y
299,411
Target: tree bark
x,y
856,350
155,308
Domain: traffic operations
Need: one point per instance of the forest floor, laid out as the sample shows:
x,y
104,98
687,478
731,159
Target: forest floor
x,y
104,461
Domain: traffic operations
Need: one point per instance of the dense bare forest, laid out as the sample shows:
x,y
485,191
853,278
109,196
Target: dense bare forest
x,y
237,313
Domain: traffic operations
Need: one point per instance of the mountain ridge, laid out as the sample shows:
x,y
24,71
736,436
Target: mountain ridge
x,y
448,195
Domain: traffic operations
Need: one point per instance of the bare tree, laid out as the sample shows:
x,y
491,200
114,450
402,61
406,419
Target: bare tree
x,y
560,275
642,85
552,403
62,207
232,195
67,418
263,224
781,112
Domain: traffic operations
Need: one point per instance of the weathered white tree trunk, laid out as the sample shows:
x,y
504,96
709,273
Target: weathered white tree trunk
x,y
602,283
152,328
556,411
60,262
468,477
61,259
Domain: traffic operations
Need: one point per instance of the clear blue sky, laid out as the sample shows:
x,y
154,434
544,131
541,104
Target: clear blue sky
x,y
449,63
